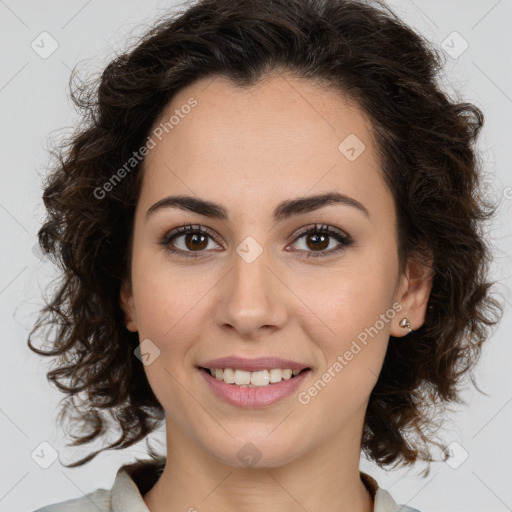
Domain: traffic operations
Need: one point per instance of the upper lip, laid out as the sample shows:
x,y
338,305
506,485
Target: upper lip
x,y
253,365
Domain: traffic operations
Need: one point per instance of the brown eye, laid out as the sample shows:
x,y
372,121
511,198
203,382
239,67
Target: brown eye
x,y
190,241
195,241
318,238
186,240
317,241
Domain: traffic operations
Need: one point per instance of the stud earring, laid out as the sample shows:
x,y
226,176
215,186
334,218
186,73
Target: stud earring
x,y
405,324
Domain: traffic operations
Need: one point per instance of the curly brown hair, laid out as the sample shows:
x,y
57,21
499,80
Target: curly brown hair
x,y
426,145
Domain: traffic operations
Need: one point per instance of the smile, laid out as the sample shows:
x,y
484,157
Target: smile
x,y
250,395
252,379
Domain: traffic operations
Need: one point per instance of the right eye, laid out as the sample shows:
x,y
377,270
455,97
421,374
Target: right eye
x,y
192,238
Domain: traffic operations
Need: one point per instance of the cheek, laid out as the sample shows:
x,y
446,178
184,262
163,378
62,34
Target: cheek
x,y
351,331
352,306
170,306
170,302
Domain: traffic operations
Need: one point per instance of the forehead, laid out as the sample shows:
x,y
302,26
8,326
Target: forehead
x,y
281,137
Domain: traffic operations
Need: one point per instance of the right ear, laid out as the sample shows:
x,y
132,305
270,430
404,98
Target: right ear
x,y
128,306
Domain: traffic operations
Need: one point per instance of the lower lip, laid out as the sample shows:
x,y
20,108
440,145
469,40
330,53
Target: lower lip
x,y
253,397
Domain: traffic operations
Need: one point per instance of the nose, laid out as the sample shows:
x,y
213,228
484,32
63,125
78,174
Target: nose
x,y
251,300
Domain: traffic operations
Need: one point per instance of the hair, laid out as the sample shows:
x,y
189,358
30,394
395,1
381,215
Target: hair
x,y
425,143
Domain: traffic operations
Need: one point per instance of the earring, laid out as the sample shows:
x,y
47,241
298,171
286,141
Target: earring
x,y
405,324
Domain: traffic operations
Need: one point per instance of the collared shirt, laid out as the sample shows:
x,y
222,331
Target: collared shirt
x,y
134,480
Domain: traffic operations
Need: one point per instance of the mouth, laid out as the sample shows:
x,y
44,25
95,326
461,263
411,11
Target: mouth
x,y
254,379
256,389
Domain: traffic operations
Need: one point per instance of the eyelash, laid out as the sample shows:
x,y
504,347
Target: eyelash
x,y
324,229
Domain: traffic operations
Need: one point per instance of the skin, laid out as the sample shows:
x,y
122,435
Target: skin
x,y
248,150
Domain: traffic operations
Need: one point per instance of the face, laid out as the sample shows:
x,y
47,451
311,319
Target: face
x,y
252,284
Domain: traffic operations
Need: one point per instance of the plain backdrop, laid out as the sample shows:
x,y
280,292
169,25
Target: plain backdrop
x,y
475,37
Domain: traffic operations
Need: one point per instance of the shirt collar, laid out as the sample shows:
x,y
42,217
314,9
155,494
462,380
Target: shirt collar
x,y
383,501
134,480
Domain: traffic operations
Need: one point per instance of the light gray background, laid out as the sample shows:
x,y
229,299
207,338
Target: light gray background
x,y
35,105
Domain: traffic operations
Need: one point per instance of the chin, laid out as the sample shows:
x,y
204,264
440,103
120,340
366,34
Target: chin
x,y
255,454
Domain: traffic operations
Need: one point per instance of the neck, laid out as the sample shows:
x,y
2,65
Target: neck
x,y
193,480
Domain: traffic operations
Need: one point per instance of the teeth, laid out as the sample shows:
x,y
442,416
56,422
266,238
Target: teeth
x,y
242,377
253,379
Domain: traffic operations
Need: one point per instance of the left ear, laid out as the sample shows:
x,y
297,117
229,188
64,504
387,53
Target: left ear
x,y
413,294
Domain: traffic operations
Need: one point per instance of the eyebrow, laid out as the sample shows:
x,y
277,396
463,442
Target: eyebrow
x,y
283,210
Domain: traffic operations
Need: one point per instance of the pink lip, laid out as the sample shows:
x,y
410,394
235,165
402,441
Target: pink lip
x,y
253,397
253,365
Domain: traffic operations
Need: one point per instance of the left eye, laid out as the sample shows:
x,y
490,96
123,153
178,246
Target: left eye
x,y
196,240
317,237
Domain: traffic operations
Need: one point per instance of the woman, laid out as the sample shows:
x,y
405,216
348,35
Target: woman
x,y
269,232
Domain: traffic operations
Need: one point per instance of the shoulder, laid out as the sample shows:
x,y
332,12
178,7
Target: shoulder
x,y
97,501
131,482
